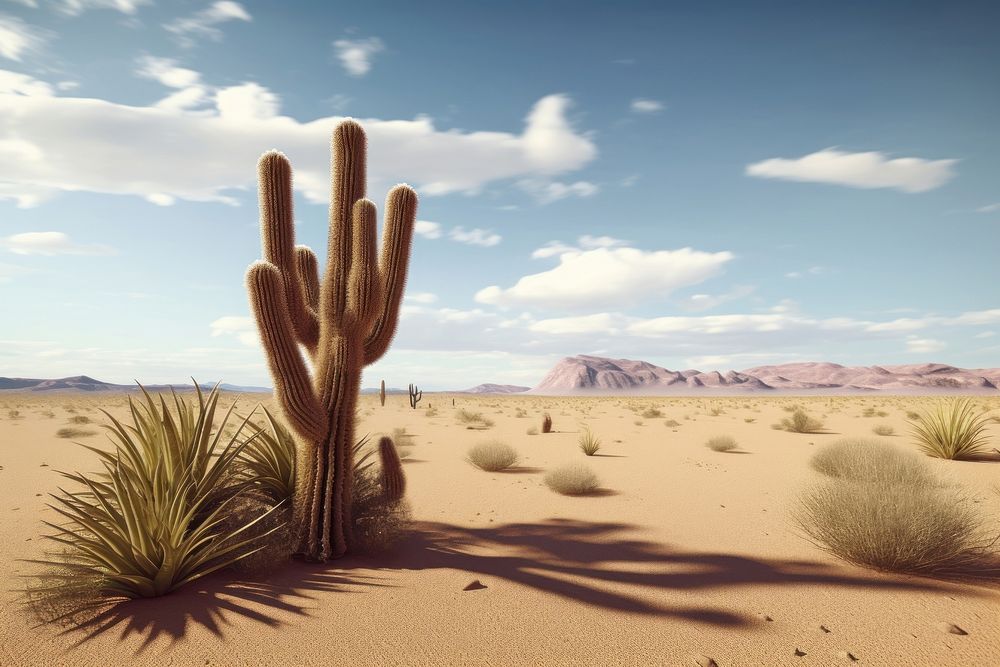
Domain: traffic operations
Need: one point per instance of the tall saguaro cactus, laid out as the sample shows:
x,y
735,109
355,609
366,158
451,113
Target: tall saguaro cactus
x,y
344,323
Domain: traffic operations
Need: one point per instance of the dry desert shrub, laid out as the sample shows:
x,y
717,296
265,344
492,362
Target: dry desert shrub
x,y
883,509
574,479
883,430
951,430
800,422
70,432
652,413
722,443
80,419
473,420
492,456
867,460
671,423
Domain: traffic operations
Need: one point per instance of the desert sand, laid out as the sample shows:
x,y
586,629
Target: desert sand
x,y
686,552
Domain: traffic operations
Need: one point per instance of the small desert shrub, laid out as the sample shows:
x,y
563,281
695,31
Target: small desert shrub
x,y
868,412
589,443
883,429
48,414
492,456
574,479
379,521
801,422
13,414
546,423
721,443
715,411
867,460
652,413
897,527
431,411
70,432
952,430
474,420
671,423
912,415
749,420
520,413
79,419
532,430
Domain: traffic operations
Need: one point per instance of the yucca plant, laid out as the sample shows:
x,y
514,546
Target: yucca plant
x,y
951,430
158,517
267,460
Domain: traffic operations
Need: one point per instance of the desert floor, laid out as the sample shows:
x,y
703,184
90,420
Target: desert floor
x,y
686,552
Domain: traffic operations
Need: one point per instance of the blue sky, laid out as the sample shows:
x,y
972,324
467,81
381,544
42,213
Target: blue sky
x,y
713,185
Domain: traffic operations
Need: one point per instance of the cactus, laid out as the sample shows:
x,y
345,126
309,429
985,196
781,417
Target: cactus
x,y
415,396
547,423
344,323
393,481
381,393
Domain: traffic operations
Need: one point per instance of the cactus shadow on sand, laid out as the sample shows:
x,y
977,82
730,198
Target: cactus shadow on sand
x,y
601,565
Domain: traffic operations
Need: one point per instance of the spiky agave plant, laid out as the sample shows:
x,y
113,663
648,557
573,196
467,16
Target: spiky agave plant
x,y
157,518
267,460
951,430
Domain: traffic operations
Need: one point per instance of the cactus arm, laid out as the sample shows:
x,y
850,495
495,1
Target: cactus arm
x,y
291,378
393,480
307,268
364,290
278,240
397,237
349,173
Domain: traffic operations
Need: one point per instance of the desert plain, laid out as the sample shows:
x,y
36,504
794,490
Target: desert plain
x,y
684,553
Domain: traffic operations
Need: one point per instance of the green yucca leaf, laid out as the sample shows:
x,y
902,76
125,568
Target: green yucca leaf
x,y
951,430
159,515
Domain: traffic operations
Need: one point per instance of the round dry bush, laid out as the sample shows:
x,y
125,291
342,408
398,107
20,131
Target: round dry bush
x,y
928,530
492,456
883,429
868,460
574,479
722,443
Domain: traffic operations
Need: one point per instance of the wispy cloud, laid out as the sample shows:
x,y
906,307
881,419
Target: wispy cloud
x,y
239,326
77,7
51,244
989,208
867,170
18,39
924,345
356,54
480,237
546,191
640,105
203,24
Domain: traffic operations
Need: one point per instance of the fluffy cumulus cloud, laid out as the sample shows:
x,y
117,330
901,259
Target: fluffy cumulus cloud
x,y
859,170
51,244
18,39
356,54
171,149
204,23
240,327
427,229
601,273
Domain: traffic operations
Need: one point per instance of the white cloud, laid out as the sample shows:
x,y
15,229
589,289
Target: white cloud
x,y
18,39
167,72
421,297
924,345
859,170
480,237
608,277
589,242
698,302
546,192
427,229
584,324
243,328
198,155
50,244
985,334
989,208
640,105
203,23
77,7
356,54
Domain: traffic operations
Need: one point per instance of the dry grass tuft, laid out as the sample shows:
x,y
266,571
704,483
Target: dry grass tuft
x,y
868,460
574,479
722,443
492,456
800,422
70,432
952,430
883,430
589,443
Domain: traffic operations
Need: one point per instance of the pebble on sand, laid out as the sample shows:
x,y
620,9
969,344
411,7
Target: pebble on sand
x,y
474,585
847,655
950,628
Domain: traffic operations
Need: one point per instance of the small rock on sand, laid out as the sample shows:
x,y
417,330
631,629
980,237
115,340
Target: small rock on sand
x,y
847,655
474,585
705,661
799,653
824,628
950,628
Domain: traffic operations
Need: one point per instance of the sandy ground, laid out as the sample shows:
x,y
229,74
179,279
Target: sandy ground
x,y
687,552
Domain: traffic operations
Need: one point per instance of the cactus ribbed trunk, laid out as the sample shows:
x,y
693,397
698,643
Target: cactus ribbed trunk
x,y
343,323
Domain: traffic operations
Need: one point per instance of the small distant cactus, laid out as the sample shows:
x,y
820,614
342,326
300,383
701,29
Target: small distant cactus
x,y
381,393
344,323
415,396
547,423
393,481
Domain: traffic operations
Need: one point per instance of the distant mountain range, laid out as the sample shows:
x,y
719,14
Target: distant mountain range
x,y
489,388
589,374
84,383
